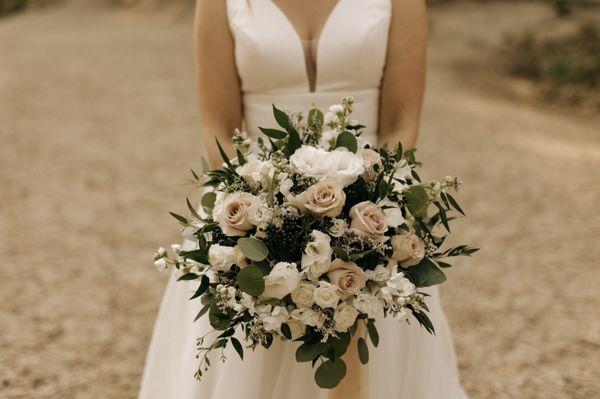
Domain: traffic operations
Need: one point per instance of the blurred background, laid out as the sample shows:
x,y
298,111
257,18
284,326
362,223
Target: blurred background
x,y
99,127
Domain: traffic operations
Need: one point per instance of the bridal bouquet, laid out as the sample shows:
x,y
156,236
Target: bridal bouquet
x,y
310,233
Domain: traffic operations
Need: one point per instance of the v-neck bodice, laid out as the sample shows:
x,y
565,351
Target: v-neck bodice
x,y
270,58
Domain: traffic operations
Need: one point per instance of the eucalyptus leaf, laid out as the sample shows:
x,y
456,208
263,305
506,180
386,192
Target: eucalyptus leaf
x,y
417,201
253,248
310,350
373,334
250,279
347,140
208,200
329,374
218,320
426,274
363,350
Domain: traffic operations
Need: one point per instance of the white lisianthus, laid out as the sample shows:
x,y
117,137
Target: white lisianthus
x,y
303,295
251,170
338,227
282,280
344,317
369,304
309,316
328,138
272,319
312,161
221,258
398,284
330,119
259,213
379,274
392,212
316,258
326,295
345,166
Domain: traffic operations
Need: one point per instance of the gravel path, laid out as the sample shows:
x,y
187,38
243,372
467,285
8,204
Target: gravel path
x,y
99,126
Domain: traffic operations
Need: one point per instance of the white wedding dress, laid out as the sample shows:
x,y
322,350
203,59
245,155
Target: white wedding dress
x,y
409,362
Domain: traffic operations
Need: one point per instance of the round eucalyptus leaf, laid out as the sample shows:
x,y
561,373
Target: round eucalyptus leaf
x,y
250,279
363,350
348,140
253,248
329,374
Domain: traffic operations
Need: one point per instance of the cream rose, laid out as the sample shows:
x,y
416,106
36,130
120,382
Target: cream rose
x,y
368,218
408,248
303,295
297,328
326,295
281,281
325,198
233,214
344,317
370,159
309,316
338,227
347,277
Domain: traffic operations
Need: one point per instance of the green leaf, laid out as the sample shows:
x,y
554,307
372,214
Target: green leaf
x,y
348,140
202,287
250,279
424,321
285,331
315,120
208,200
373,334
218,320
417,201
329,374
194,174
455,204
223,155
281,117
274,133
192,210
310,350
293,143
202,312
341,344
180,218
240,157
363,350
253,248
238,347
188,276
341,253
205,167
425,274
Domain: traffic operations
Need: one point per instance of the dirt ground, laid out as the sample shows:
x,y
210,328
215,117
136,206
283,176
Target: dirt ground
x,y
98,127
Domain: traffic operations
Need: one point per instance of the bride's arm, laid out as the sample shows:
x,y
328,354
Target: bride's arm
x,y
404,75
218,82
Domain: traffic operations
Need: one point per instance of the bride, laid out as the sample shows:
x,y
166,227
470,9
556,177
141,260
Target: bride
x,y
292,53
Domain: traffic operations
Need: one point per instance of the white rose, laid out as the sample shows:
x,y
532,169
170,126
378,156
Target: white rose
x,y
338,227
222,258
408,249
309,317
369,304
344,317
345,167
303,295
326,295
311,161
393,214
281,281
233,214
297,328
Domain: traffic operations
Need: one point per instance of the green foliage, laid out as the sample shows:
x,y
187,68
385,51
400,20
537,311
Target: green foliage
x,y
250,280
253,248
572,60
426,274
10,6
330,373
348,140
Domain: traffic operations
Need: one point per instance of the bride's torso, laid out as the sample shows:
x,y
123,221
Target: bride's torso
x,y
273,62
